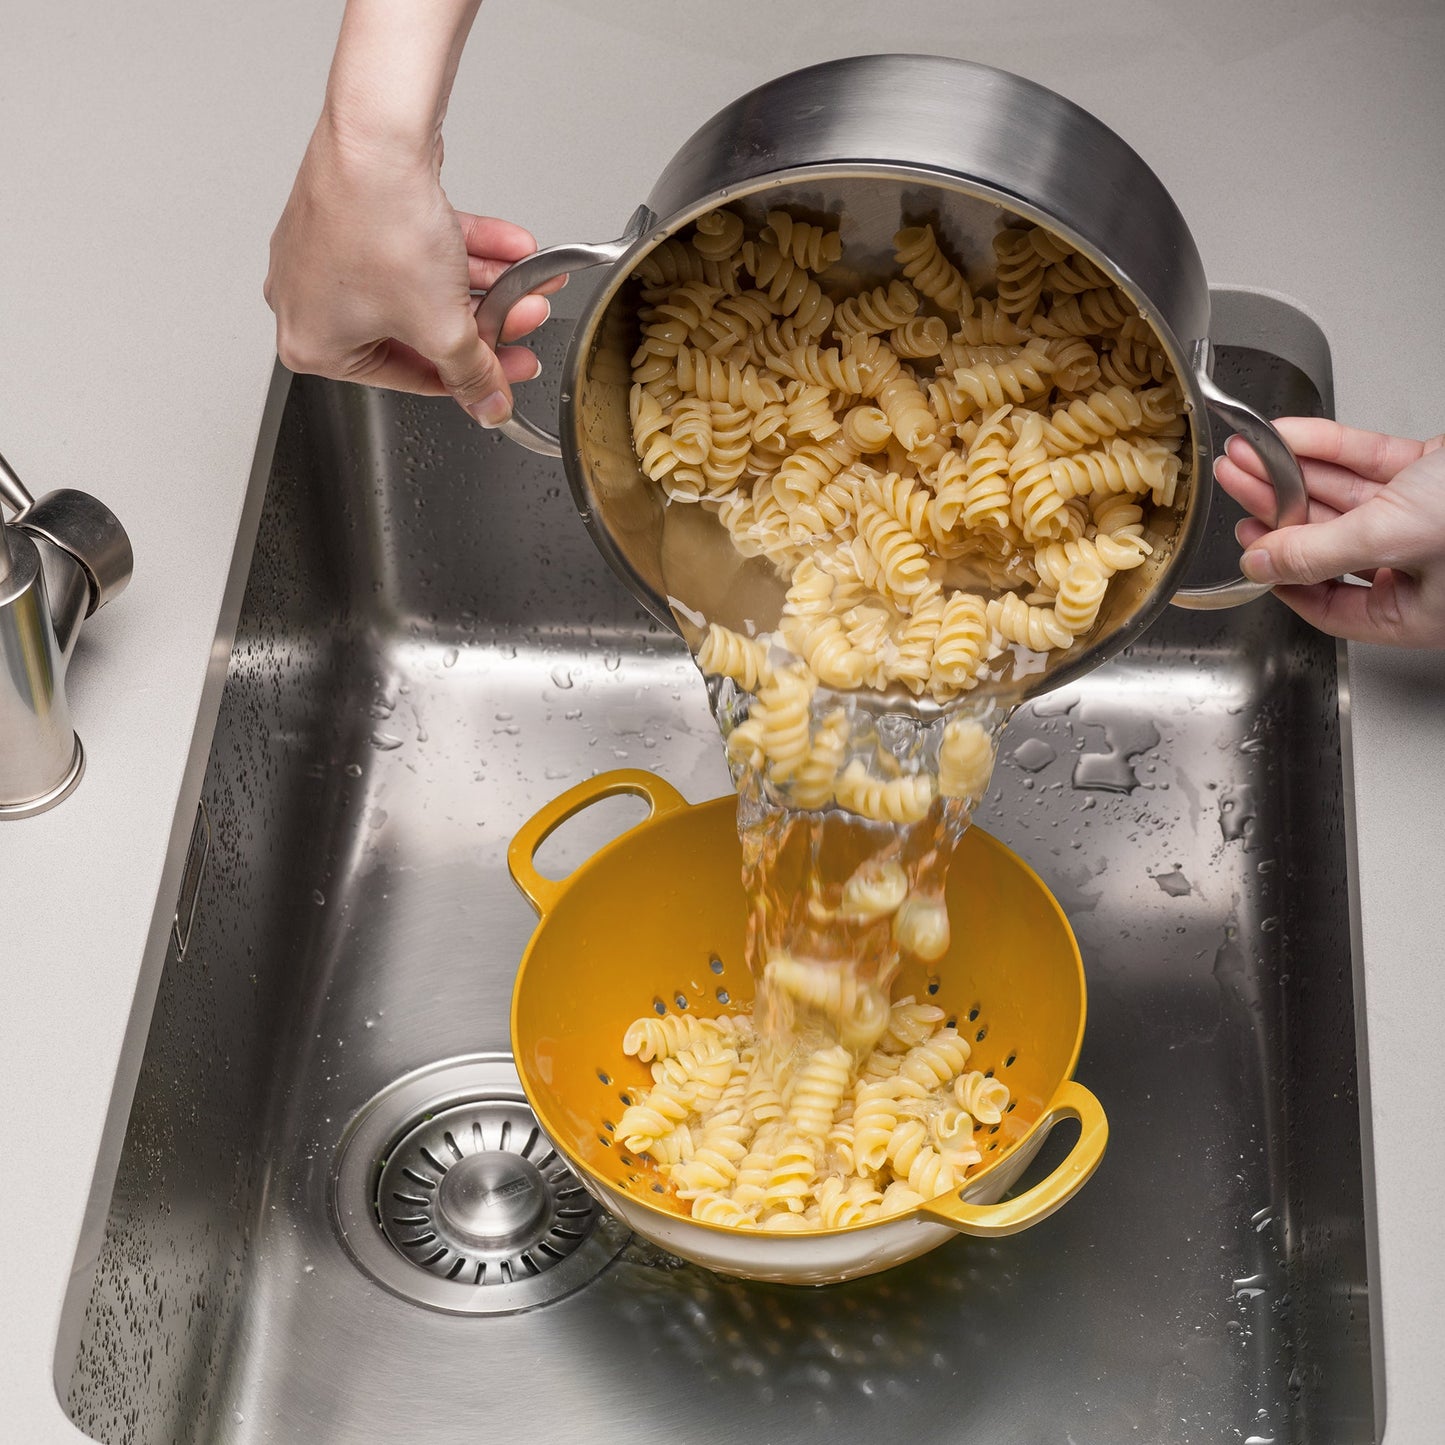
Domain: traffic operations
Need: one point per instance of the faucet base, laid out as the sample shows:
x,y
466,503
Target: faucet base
x,y
58,794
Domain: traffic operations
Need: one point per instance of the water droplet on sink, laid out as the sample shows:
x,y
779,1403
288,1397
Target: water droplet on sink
x,y
1237,810
449,657
318,897
353,770
561,678
612,661
385,742
1174,883
1033,755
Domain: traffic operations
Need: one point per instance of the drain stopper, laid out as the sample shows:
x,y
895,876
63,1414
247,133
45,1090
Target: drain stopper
x,y
447,1192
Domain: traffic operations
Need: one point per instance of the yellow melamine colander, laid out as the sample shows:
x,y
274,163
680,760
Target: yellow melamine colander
x,y
654,922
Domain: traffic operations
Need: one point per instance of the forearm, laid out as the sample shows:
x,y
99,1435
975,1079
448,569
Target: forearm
x,y
395,62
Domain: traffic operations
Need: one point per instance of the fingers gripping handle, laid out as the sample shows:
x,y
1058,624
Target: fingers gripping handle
x,y
542,893
526,276
1283,468
990,1221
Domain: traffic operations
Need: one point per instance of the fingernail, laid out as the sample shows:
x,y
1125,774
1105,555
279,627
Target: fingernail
x,y
536,370
1218,462
1258,566
491,411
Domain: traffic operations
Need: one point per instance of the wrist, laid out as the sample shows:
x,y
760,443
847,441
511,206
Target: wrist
x,y
355,122
392,74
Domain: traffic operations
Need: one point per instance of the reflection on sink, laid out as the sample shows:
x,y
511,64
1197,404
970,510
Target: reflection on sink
x,y
429,648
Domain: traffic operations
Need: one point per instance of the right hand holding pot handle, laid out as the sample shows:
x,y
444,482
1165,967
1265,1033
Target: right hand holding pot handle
x,y
1376,510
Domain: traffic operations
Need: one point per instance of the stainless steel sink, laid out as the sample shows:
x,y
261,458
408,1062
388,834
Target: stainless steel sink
x,y
429,648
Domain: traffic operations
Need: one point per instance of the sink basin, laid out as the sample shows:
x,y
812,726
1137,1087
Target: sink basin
x,y
428,649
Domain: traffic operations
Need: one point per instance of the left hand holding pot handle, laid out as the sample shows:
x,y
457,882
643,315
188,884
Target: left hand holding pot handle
x,y
1377,511
371,267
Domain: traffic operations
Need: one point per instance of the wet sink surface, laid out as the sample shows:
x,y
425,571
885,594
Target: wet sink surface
x,y
429,649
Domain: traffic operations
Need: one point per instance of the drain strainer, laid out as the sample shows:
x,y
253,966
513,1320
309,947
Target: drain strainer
x,y
447,1192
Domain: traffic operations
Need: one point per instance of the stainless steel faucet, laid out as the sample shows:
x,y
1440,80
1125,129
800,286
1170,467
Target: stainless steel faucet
x,y
61,557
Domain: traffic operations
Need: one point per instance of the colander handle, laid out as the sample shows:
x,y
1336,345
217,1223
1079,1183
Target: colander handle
x,y
990,1221
543,893
525,276
1291,501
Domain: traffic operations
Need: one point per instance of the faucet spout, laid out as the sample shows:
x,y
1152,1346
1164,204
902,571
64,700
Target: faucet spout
x,y
61,557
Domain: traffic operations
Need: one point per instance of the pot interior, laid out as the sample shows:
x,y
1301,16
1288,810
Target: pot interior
x,y
654,923
679,560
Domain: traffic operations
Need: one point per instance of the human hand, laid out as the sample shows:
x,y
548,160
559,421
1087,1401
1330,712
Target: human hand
x,y
370,275
1377,510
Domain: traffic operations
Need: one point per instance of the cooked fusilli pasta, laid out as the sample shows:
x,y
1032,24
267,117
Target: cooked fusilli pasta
x,y
744,1139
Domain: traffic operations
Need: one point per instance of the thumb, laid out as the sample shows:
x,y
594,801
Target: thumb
x,y
470,371
1316,551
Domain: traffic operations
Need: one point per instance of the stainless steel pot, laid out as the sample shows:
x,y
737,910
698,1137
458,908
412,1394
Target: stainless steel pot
x,y
876,143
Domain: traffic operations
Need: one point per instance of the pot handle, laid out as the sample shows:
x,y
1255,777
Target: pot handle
x,y
990,1221
542,893
1290,498
521,279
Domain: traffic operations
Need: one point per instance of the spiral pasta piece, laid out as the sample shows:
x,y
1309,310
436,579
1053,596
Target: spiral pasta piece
x,y
905,799
985,386
990,325
915,639
1036,502
1109,552
793,1169
965,759
881,309
818,1090
841,1206
667,327
691,430
910,1024
813,247
813,784
903,403
669,1034
718,235
1089,420
866,429
674,263
1080,595
918,338
1122,466
917,251
711,378
650,434
960,646
1085,313
1020,274
902,563
1033,627
726,653
1076,363
782,714
983,1098
719,1209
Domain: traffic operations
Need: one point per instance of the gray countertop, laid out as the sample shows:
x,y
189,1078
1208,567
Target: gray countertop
x,y
149,148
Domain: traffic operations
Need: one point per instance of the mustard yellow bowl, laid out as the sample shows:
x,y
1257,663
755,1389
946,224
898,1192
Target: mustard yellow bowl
x,y
654,921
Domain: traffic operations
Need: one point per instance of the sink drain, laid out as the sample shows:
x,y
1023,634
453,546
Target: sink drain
x,y
447,1192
